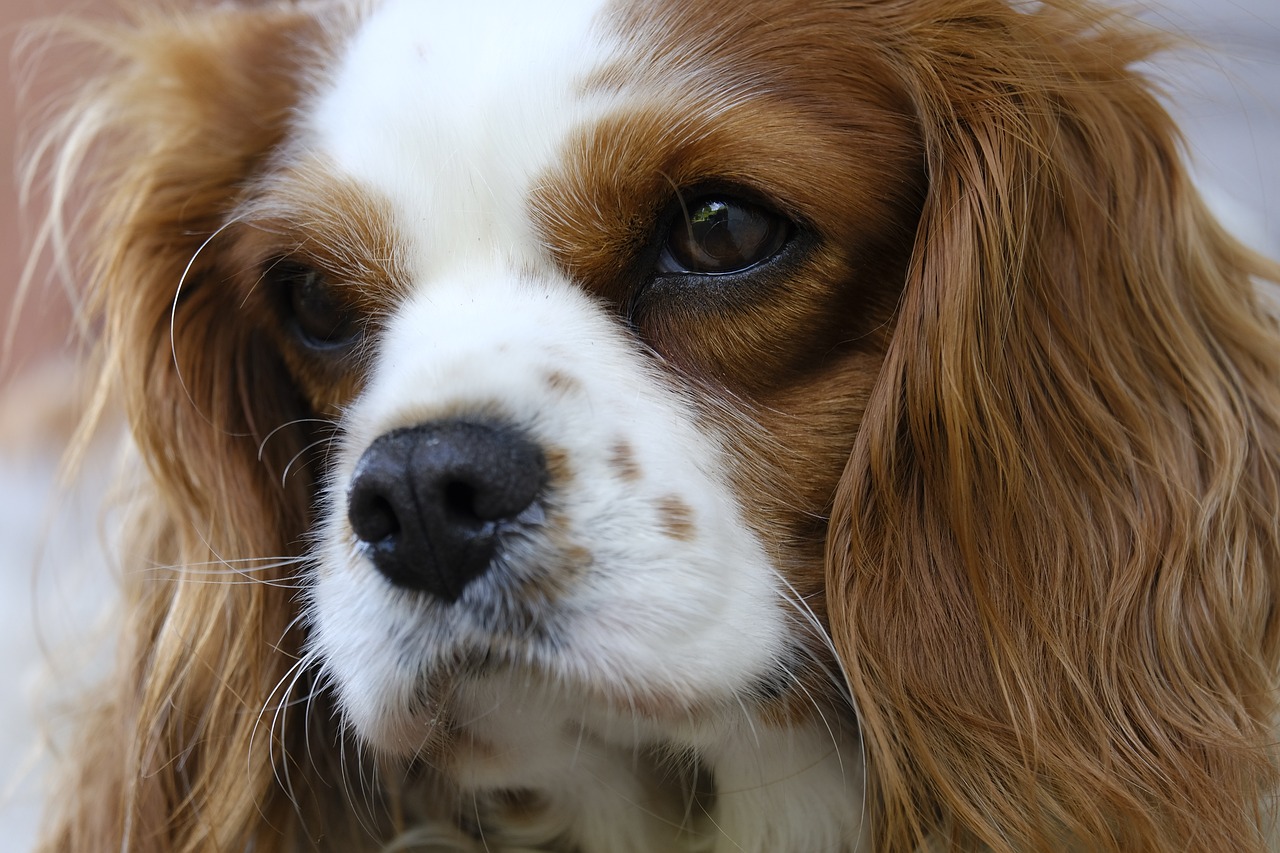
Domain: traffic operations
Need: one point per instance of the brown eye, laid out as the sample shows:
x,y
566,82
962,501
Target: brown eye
x,y
320,320
716,236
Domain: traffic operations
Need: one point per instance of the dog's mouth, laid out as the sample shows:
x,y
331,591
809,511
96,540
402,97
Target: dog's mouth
x,y
503,655
520,624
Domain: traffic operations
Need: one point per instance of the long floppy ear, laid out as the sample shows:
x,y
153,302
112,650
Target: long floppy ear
x,y
182,753
1052,565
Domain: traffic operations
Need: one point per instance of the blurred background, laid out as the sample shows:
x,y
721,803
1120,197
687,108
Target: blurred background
x,y
1225,89
52,583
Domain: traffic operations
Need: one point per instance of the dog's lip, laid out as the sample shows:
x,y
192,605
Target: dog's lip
x,y
485,652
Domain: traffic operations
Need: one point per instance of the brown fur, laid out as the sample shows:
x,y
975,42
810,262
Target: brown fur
x,y
1012,425
178,752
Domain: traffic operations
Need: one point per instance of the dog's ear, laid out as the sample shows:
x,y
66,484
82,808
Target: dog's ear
x,y
157,151
1052,560
162,147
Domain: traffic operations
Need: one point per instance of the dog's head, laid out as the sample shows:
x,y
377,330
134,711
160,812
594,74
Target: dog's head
x,y
685,367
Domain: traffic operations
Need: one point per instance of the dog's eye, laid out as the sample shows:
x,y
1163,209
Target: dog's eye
x,y
320,319
716,236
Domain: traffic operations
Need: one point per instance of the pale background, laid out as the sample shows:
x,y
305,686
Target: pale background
x,y
1227,95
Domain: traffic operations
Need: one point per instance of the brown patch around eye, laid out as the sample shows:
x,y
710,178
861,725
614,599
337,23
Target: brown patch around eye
x,y
676,518
746,231
318,259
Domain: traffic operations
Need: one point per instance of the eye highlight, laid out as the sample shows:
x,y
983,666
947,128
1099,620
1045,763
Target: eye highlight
x,y
320,319
722,235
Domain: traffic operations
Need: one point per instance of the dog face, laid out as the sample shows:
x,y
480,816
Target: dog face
x,y
847,408
615,323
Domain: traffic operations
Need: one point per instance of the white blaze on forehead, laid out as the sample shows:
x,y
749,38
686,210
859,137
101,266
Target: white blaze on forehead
x,y
452,110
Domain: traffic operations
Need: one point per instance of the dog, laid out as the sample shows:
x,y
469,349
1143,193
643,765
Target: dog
x,y
667,426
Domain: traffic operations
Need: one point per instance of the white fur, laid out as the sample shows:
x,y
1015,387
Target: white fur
x,y
451,114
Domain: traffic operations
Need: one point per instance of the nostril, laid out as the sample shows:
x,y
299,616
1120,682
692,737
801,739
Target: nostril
x,y
460,501
373,518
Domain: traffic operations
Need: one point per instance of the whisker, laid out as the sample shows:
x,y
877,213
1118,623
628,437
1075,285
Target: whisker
x,y
173,316
280,767
369,786
817,707
227,574
475,808
319,683
230,564
282,584
262,445
840,680
285,476
345,773
818,631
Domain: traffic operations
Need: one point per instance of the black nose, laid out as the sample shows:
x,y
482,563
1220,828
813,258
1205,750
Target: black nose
x,y
431,501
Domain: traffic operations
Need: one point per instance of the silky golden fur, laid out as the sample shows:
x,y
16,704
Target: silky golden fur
x,y
1052,557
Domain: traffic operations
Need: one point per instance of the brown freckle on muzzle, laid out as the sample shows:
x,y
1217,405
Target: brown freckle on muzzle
x,y
622,459
578,557
561,383
559,468
676,518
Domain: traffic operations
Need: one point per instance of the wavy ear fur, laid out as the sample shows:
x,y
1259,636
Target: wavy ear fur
x,y
181,754
1053,558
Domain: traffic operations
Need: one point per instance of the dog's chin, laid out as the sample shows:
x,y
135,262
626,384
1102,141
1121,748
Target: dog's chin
x,y
424,717
417,714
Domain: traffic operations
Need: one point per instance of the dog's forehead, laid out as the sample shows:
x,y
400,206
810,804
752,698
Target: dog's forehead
x,y
452,111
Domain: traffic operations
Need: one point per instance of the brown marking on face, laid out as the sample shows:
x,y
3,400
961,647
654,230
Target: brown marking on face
x,y
562,384
736,116
305,215
578,557
676,518
622,461
209,100
559,467
567,559
785,470
563,559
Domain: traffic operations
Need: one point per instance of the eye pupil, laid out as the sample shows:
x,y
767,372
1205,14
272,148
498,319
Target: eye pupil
x,y
719,235
320,318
